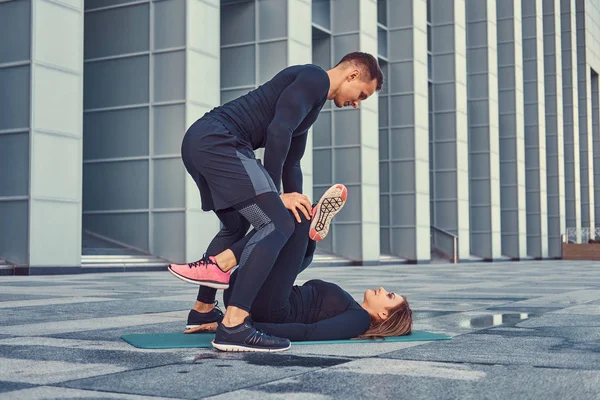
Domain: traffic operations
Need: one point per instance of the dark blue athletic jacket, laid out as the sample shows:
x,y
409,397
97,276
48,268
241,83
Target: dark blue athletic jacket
x,y
320,310
276,116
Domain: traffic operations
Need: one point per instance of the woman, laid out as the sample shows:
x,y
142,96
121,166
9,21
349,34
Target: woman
x,y
316,310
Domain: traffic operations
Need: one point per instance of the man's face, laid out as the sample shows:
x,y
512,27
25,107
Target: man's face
x,y
354,90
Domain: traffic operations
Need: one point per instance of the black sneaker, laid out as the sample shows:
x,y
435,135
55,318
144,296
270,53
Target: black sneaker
x,y
245,337
196,319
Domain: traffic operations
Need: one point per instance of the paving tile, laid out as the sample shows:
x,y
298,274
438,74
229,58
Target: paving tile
x,y
401,379
351,350
79,309
212,374
532,350
121,358
6,386
114,334
48,302
45,372
21,296
51,392
79,325
583,309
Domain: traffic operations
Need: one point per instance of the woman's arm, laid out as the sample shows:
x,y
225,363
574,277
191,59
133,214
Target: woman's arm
x,y
348,325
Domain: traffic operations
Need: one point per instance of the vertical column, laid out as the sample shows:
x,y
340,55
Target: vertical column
x,y
409,135
586,155
41,78
354,141
15,129
56,134
322,131
596,135
450,140
535,128
511,129
484,162
570,116
299,52
555,165
174,225
117,121
202,93
385,150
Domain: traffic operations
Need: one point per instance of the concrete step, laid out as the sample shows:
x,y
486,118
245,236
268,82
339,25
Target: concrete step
x,y
6,269
121,262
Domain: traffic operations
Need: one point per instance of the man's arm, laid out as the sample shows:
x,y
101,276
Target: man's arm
x,y
292,172
292,107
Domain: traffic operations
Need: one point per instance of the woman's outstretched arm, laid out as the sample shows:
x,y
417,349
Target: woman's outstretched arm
x,y
350,324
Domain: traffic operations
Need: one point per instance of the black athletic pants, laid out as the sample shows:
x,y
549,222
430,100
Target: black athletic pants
x,y
272,300
273,225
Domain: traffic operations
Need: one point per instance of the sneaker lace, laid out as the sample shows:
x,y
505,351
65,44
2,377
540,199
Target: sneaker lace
x,y
203,262
256,337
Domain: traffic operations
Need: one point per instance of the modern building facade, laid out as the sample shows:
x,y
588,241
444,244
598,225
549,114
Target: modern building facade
x,y
484,142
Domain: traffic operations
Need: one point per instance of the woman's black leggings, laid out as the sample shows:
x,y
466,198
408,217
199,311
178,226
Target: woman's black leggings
x,y
272,300
273,226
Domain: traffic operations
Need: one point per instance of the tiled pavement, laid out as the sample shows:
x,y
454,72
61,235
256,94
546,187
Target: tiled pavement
x,y
522,330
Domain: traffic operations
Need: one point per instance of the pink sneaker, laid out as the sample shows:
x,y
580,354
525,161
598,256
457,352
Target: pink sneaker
x,y
203,272
330,204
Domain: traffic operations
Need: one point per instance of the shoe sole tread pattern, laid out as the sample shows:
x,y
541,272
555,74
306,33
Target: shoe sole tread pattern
x,y
212,284
244,348
329,205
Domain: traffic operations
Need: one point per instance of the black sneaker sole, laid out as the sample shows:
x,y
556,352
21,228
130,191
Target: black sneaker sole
x,y
243,347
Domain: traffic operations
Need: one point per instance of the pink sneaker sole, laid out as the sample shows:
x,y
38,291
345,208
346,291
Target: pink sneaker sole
x,y
212,284
330,204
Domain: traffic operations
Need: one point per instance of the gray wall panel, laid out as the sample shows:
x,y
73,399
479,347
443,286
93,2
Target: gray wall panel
x,y
272,58
119,133
116,82
169,128
14,231
15,22
347,131
14,106
272,19
169,76
231,74
14,165
321,13
128,33
169,31
115,186
168,185
238,22
129,228
169,235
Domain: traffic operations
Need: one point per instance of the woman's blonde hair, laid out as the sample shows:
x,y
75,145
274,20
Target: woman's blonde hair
x,y
398,323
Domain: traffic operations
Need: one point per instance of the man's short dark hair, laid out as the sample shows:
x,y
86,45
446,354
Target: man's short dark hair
x,y
369,64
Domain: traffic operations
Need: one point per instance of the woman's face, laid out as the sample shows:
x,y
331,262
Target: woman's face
x,y
381,301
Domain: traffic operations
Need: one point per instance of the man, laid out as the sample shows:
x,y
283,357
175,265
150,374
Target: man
x,y
217,151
